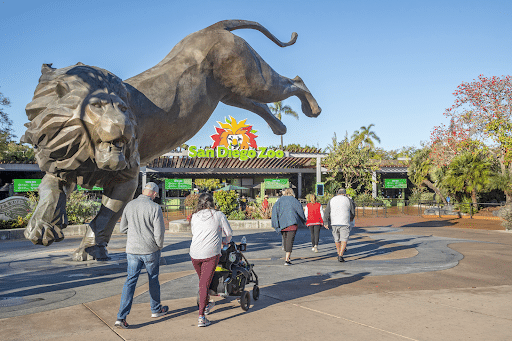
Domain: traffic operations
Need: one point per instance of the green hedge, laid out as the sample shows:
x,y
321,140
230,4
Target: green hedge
x,y
13,223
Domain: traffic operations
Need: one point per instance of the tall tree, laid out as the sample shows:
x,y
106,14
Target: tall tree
x,y
10,151
481,114
469,173
422,171
278,109
366,136
17,152
394,154
349,164
5,125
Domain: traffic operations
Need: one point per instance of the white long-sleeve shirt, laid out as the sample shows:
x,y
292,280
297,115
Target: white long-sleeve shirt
x,y
207,228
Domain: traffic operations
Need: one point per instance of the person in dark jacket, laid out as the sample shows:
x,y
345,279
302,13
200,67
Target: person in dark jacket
x,y
287,215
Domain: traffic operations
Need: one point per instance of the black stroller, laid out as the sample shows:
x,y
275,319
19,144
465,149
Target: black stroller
x,y
232,274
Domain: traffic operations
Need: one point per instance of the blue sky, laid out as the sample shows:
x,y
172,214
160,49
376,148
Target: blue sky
x,y
391,63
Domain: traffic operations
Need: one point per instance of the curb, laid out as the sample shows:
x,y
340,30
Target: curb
x,y
183,225
71,230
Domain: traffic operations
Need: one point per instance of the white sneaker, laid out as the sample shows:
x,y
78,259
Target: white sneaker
x,y
163,310
209,307
203,322
315,249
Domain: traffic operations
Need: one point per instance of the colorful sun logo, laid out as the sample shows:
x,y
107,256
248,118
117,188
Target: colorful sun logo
x,y
234,135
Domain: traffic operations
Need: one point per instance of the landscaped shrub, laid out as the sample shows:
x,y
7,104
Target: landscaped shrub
x,y
226,201
18,223
427,197
191,201
80,209
466,206
363,198
237,215
324,199
351,192
415,196
255,211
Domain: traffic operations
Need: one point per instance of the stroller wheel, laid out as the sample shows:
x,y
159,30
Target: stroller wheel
x,y
256,292
245,300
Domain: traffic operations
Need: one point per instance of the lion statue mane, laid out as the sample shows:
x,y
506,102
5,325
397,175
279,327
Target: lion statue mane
x,y
67,126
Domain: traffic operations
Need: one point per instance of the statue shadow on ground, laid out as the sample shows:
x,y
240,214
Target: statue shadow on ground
x,y
40,278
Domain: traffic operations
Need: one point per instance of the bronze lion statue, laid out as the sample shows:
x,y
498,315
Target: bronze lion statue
x,y
88,127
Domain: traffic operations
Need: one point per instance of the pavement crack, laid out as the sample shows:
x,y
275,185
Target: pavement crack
x,y
455,307
468,310
355,322
342,318
99,317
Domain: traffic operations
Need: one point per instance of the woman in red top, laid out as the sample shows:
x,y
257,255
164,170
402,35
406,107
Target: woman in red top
x,y
315,220
264,205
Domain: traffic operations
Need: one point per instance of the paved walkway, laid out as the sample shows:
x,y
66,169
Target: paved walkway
x,y
403,280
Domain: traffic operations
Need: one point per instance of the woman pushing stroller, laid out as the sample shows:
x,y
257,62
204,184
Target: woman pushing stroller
x,y
207,225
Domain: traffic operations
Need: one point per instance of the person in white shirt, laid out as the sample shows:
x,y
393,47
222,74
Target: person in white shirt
x,y
339,215
207,225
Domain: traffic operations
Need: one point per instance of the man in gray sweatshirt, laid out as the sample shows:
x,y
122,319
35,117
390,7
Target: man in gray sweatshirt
x,y
143,221
339,214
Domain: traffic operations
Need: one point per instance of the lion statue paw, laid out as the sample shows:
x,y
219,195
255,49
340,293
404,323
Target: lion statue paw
x,y
43,233
95,252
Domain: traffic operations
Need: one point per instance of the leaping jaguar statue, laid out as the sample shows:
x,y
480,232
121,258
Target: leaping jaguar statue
x,y
90,128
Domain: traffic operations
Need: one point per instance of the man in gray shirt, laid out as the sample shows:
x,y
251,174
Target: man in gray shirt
x,y
144,222
339,214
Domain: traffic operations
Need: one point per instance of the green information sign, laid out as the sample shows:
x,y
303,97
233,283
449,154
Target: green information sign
x,y
30,185
26,185
395,183
95,188
178,183
276,183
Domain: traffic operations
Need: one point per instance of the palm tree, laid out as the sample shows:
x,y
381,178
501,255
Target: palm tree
x,y
278,109
366,136
469,173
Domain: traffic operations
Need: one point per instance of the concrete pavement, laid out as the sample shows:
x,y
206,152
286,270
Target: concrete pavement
x,y
401,281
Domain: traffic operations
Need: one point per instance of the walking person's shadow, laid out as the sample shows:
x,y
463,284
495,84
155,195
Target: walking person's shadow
x,y
288,290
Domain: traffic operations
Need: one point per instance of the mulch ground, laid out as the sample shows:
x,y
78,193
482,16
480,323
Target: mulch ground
x,y
404,221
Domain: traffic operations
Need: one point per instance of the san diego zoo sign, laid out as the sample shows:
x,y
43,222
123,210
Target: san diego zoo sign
x,y
235,140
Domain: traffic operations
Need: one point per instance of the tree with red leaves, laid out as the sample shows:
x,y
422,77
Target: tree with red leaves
x,y
480,117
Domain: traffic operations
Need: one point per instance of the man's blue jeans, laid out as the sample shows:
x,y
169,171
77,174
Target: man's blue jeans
x,y
135,264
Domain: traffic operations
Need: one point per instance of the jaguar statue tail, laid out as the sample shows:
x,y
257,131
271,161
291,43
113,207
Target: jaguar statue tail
x,y
231,25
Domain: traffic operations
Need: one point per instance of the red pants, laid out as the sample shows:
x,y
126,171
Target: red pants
x,y
205,269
